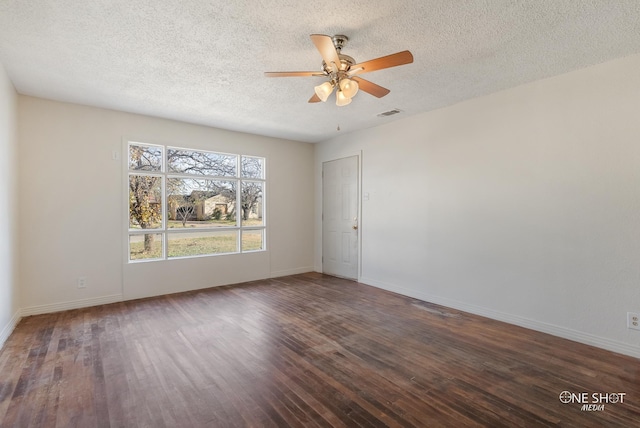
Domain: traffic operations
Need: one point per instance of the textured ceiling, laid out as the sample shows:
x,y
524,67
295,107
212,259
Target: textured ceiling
x,y
203,61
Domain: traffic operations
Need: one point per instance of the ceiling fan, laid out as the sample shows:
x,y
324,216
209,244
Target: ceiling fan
x,y
342,70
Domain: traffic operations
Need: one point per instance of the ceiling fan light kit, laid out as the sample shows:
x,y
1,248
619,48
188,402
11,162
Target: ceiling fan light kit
x,y
341,70
342,99
323,91
348,87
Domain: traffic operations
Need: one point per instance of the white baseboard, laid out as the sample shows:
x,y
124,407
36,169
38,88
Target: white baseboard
x,y
288,272
8,329
75,304
95,301
565,333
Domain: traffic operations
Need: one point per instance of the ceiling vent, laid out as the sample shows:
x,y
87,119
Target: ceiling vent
x,y
390,113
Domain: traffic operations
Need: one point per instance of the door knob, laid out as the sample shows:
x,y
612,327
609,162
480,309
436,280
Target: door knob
x,y
354,227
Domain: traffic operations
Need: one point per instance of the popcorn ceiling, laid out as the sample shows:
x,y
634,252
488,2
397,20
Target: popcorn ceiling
x,y
203,61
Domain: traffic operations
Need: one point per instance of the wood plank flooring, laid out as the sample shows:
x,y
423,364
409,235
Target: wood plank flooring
x,y
303,351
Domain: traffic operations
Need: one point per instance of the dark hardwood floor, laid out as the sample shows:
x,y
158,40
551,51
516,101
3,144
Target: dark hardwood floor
x,y
305,350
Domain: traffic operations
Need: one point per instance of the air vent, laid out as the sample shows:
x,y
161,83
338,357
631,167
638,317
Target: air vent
x,y
390,113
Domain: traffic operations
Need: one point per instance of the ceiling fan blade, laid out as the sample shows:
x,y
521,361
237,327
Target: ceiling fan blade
x,y
371,88
292,73
314,99
393,60
325,46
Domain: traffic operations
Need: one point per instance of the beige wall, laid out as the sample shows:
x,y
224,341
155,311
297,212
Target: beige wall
x,y
522,206
72,207
9,310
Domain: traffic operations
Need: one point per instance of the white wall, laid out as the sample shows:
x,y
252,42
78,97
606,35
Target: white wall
x,y
9,310
522,206
72,207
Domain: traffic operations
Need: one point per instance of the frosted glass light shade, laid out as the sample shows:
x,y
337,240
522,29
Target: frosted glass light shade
x,y
342,99
349,87
323,91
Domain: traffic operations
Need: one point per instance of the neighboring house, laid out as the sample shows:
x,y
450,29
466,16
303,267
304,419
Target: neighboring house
x,y
223,203
204,207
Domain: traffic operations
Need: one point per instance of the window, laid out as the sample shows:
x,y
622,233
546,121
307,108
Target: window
x,y
189,203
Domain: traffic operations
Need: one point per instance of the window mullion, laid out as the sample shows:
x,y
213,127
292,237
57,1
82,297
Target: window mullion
x,y
239,202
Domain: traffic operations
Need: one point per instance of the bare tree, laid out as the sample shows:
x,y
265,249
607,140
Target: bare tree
x,y
201,163
185,212
250,196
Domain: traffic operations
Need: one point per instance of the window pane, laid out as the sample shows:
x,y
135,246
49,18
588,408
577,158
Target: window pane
x,y
145,246
195,202
252,240
201,243
252,210
145,158
252,167
145,202
201,163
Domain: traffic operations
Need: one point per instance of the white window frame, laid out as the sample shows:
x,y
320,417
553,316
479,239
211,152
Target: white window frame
x,y
165,231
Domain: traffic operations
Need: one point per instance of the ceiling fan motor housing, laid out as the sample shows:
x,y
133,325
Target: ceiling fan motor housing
x,y
345,64
339,41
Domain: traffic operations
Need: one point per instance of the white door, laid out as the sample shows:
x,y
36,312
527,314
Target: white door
x,y
340,217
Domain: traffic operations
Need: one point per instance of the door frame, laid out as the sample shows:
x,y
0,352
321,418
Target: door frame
x,y
359,156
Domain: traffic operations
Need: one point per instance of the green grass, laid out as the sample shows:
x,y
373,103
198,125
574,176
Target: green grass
x,y
137,250
199,246
177,224
196,246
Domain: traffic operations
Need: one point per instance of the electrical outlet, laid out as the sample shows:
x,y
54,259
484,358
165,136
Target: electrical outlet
x,y
633,320
82,282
